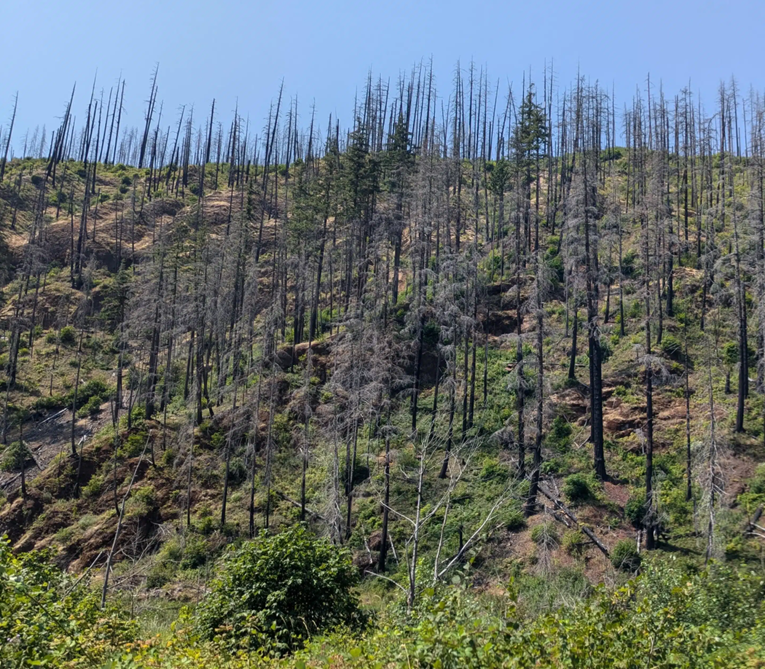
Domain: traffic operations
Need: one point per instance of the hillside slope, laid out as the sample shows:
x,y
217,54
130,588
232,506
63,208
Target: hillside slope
x,y
531,371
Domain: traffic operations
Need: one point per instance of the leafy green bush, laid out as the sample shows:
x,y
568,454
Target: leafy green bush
x,y
95,390
635,310
559,436
94,487
625,556
168,457
279,589
629,260
579,488
195,552
158,575
132,446
50,619
671,347
635,509
91,407
730,353
665,617
206,525
58,199
514,519
142,502
493,470
67,335
15,456
574,543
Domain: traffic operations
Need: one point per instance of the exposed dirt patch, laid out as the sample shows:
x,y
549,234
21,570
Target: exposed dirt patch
x,y
617,494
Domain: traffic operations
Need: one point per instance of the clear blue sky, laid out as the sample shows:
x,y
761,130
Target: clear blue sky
x,y
323,49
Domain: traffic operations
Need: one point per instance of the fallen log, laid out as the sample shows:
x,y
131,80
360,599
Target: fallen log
x,y
586,530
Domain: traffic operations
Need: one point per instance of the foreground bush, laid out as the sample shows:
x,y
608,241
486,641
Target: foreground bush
x,y
48,619
667,617
280,589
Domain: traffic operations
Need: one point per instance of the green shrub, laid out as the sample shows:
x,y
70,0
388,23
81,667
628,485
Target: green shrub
x,y
544,535
94,487
574,543
168,457
52,619
132,446
621,391
514,519
493,470
43,405
624,556
628,263
237,472
635,509
206,526
671,347
67,335
579,488
734,549
92,390
730,353
15,456
141,502
635,309
559,436
195,552
757,483
158,575
91,407
665,617
280,589
551,467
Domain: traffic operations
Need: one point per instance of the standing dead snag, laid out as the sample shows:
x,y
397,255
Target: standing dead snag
x,y
120,517
539,289
710,471
8,138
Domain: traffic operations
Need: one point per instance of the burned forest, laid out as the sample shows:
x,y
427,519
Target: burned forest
x,y
472,378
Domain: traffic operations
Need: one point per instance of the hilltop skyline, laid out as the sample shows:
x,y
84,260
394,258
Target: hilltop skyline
x,y
241,55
